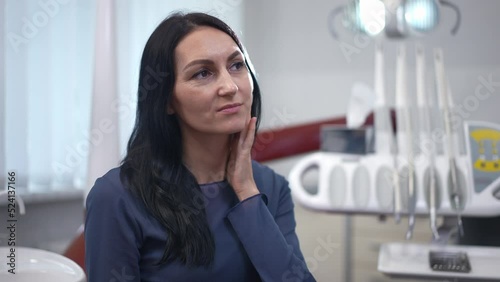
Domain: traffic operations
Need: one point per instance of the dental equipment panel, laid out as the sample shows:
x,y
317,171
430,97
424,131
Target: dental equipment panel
x,y
421,169
398,179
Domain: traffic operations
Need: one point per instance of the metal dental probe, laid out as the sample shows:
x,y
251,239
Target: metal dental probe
x,y
433,204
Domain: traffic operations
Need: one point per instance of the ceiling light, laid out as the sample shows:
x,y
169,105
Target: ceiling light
x,y
398,18
422,15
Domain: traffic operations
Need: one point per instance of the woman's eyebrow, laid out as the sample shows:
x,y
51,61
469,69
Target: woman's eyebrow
x,y
208,62
233,55
198,62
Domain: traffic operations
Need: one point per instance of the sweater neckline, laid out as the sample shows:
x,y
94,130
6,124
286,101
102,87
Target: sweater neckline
x,y
215,183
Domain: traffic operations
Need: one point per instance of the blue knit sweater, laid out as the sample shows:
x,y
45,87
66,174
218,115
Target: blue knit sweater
x,y
255,239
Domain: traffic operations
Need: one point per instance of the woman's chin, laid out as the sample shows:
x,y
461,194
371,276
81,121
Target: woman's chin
x,y
235,128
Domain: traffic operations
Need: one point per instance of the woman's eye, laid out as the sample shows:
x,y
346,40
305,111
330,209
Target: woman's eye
x,y
201,74
237,66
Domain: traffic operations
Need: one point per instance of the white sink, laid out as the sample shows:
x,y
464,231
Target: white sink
x,y
38,265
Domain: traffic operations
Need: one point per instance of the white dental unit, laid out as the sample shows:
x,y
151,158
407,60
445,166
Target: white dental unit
x,y
406,175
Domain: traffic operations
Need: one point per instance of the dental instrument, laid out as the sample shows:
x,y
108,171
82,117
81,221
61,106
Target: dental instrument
x,y
385,142
443,93
405,136
425,139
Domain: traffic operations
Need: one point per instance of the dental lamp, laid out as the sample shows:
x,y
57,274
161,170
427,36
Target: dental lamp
x,y
398,18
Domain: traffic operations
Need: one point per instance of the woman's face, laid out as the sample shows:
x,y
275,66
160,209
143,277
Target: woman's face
x,y
213,88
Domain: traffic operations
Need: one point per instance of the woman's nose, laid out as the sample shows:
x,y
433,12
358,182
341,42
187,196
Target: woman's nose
x,y
227,85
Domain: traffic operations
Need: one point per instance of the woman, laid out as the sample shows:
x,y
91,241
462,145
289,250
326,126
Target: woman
x,y
188,203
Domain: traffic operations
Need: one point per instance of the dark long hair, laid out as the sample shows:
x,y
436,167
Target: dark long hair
x,y
153,167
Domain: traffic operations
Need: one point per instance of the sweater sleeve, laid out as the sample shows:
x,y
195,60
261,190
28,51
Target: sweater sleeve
x,y
270,242
112,235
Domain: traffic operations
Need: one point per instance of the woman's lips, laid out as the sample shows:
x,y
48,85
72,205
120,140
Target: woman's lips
x,y
230,109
